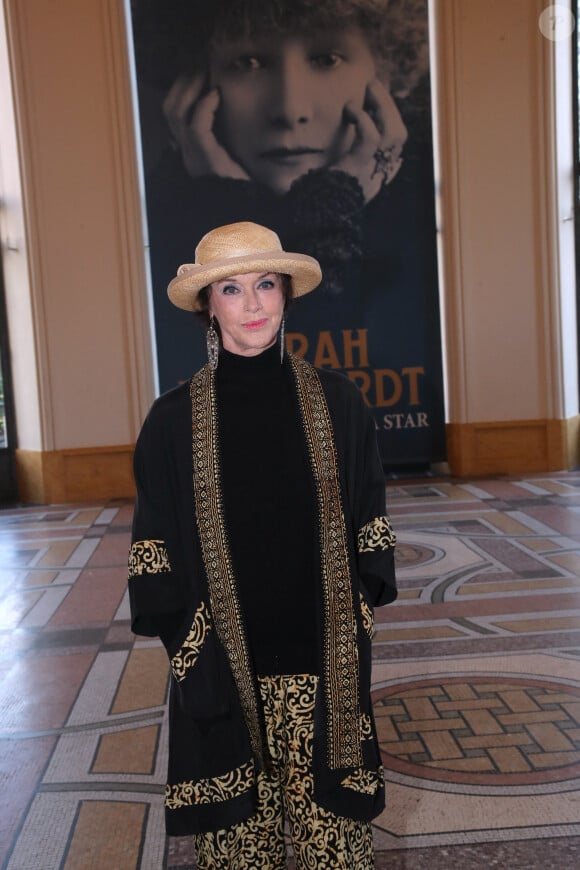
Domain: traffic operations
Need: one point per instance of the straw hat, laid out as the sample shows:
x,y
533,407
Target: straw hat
x,y
235,250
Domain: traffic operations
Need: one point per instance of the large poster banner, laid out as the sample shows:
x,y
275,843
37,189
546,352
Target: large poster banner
x,y
313,118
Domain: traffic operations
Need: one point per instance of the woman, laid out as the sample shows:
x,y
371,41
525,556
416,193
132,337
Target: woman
x,y
260,578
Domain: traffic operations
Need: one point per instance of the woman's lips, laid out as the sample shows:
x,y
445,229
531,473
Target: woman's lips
x,y
289,156
255,324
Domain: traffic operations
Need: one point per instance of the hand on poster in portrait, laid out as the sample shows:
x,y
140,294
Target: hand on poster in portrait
x,y
190,114
374,157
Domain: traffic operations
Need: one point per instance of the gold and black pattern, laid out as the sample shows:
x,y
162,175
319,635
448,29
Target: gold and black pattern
x,y
377,534
189,652
224,600
366,727
364,781
320,839
208,791
256,844
367,617
148,557
340,649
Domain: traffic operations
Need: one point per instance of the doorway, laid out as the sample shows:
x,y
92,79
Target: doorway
x,y
8,487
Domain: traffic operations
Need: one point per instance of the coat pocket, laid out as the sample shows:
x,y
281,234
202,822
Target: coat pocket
x,y
367,616
188,653
201,683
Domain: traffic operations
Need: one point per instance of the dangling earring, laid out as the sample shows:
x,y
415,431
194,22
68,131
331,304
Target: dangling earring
x,y
213,346
282,340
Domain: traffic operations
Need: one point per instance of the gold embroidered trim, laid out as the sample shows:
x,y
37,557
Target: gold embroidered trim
x,y
378,534
148,557
367,616
189,652
364,781
224,600
210,791
340,649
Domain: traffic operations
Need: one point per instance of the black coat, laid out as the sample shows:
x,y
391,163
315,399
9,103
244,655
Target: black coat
x,y
182,587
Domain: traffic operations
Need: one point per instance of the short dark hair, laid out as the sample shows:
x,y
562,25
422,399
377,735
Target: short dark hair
x,y
204,294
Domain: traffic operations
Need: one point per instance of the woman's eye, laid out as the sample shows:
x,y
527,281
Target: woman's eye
x,y
229,289
266,284
326,60
247,63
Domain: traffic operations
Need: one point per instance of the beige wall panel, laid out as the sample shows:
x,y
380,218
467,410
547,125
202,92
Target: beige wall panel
x,y
83,220
492,191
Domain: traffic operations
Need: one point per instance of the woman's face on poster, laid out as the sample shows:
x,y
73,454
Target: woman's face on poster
x,y
282,100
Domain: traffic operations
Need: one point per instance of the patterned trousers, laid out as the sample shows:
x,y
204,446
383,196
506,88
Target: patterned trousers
x,y
321,840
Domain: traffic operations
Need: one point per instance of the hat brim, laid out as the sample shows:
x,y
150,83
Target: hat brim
x,y
184,289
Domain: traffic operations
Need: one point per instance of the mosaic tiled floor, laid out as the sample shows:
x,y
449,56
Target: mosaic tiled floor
x,y
476,684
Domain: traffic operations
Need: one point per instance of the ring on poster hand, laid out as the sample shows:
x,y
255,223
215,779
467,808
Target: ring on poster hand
x,y
388,162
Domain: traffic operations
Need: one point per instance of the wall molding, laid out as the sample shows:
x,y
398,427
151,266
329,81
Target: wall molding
x,y
513,447
474,449
80,474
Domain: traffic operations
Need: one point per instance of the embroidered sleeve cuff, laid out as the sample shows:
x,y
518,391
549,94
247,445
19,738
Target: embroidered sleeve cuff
x,y
377,534
148,557
208,791
155,590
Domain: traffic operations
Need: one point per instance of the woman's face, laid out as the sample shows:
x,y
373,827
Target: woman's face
x,y
249,310
282,100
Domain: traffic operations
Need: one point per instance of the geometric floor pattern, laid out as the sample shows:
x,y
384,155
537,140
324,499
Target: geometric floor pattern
x,y
476,683
481,731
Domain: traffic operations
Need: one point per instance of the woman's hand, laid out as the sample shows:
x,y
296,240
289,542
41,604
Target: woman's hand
x,y
190,115
374,157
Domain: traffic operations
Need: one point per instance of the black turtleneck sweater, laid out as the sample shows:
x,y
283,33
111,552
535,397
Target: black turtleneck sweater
x,y
270,509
